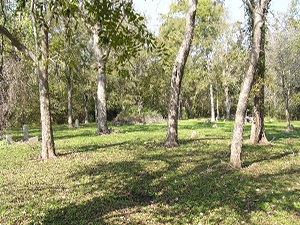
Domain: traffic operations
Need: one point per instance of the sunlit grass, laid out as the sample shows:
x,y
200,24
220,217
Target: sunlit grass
x,y
129,178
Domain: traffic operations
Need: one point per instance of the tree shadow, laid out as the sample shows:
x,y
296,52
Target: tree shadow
x,y
90,148
177,187
267,158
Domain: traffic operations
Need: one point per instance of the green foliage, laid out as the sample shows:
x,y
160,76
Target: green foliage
x,y
283,70
129,178
143,82
119,27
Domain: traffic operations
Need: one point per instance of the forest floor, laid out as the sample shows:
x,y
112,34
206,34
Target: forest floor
x,y
130,178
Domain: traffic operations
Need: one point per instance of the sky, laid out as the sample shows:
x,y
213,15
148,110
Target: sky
x,y
152,8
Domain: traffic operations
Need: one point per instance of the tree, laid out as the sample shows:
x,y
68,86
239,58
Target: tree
x,y
41,26
258,13
40,57
115,26
283,54
258,128
229,63
177,75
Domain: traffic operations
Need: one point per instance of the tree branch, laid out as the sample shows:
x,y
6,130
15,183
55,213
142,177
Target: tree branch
x,y
16,43
248,3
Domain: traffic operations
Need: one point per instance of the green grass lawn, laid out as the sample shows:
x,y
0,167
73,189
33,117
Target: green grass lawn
x,y
129,178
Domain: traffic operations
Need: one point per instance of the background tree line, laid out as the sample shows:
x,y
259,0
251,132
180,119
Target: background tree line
x,y
91,46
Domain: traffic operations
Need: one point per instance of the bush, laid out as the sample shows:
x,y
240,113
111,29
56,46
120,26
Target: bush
x,y
131,116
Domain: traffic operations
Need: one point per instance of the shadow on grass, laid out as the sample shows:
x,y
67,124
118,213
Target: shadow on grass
x,y
92,148
267,158
180,188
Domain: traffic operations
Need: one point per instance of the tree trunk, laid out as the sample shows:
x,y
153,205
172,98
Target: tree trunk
x,y
86,110
48,149
101,57
258,15
69,91
41,45
287,110
177,75
258,126
96,110
227,102
218,110
212,105
101,100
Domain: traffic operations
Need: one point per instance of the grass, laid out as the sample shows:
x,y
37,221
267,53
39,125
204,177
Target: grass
x,y
129,178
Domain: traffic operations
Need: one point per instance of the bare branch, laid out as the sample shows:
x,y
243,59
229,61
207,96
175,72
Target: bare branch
x,y
16,43
248,3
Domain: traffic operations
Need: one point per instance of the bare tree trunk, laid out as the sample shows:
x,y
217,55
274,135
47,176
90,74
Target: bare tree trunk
x,y
101,100
101,57
258,134
227,102
41,45
180,108
86,110
286,94
177,75
218,110
96,110
257,128
287,110
48,149
212,105
69,91
258,16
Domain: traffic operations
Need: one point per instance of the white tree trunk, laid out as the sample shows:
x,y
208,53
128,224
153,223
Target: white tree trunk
x,y
86,109
227,102
177,75
48,149
69,91
212,104
101,57
259,16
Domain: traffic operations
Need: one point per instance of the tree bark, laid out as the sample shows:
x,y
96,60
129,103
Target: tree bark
x,y
258,134
259,15
101,57
218,109
257,128
227,102
212,105
95,109
41,43
86,110
287,108
48,149
177,75
16,43
69,91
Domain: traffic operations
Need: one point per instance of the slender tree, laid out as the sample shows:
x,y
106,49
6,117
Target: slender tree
x,y
101,54
177,75
258,11
115,27
41,36
258,125
40,58
212,103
